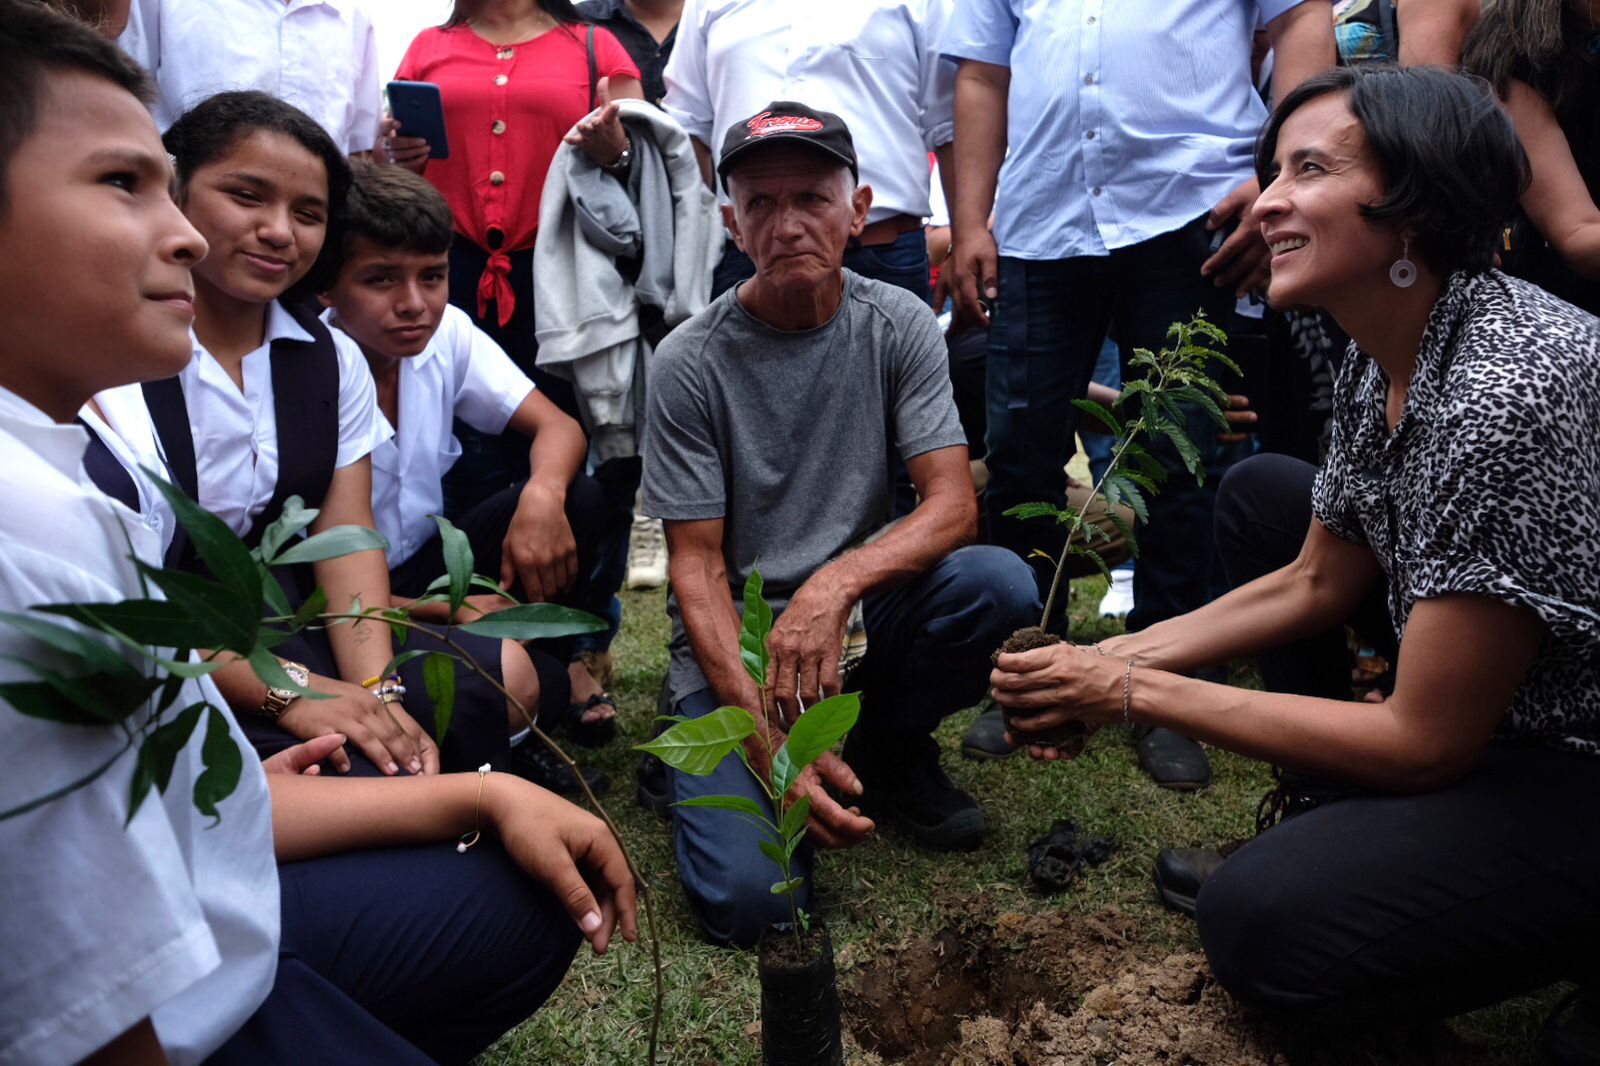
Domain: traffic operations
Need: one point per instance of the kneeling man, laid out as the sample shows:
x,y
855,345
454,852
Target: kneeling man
x,y
774,419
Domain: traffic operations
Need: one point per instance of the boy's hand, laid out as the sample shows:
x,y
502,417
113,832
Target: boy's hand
x,y
539,549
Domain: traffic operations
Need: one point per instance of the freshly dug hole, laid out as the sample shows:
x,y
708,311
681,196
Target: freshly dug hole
x,y
1059,990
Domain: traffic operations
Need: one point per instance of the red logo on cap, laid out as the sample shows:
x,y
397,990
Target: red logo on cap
x,y
767,122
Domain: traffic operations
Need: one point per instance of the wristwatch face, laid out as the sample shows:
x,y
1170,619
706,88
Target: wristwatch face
x,y
297,673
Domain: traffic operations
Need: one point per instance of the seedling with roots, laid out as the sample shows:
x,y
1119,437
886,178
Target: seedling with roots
x,y
697,745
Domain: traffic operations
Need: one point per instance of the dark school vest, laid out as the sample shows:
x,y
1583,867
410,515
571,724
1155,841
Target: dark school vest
x,y
107,471
305,390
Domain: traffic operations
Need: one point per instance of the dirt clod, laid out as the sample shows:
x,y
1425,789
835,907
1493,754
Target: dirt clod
x,y
1024,640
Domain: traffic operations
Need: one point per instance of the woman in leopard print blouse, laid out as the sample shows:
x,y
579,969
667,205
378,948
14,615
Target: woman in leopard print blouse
x,y
1460,863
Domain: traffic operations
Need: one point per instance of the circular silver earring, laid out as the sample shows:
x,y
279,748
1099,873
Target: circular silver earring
x,y
1404,272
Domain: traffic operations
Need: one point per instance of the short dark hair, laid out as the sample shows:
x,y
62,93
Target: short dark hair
x,y
394,208
1453,167
210,130
35,43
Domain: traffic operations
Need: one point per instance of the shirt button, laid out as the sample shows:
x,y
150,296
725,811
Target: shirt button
x,y
1092,20
498,178
501,79
505,53
1089,136
498,128
1088,79
1095,191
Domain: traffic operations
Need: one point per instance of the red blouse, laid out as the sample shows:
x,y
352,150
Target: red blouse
x,y
506,108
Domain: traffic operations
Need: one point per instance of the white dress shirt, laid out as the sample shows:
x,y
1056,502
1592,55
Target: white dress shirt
x,y
874,63
464,374
171,916
319,55
1126,119
236,433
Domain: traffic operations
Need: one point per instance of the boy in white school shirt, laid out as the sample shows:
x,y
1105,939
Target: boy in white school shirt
x,y
164,939
431,366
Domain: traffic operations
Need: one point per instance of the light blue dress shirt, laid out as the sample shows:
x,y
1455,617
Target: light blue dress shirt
x,y
1126,119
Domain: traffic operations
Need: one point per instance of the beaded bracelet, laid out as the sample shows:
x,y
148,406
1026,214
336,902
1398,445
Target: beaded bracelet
x,y
469,839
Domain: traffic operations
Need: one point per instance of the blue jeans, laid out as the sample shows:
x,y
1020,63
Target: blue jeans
x,y
928,648
1046,333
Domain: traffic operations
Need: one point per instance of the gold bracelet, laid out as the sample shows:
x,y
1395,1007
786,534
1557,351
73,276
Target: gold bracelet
x,y
469,839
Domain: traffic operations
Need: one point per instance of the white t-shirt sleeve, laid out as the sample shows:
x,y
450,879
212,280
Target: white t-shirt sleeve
x,y
489,386
936,78
362,426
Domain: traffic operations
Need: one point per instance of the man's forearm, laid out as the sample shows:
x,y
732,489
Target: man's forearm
x,y
945,520
712,625
980,144
557,454
1302,44
361,648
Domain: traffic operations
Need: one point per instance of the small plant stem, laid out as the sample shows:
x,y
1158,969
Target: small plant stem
x,y
1133,429
638,875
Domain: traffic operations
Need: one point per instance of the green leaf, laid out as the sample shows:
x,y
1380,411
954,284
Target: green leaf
x,y
144,623
157,755
1130,492
775,853
219,547
753,630
823,725
316,604
697,746
794,820
270,670
457,561
439,677
534,621
402,658
223,764
741,804
273,593
1186,450
1101,413
332,544
94,655
294,517
784,888
94,699
231,621
1038,510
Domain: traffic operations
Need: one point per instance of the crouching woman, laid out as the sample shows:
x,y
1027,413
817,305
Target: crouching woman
x,y
1461,865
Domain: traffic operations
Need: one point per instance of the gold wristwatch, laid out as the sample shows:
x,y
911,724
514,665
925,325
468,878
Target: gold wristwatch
x,y
278,699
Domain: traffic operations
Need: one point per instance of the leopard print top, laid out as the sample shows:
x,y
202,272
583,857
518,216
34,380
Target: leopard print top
x,y
1490,484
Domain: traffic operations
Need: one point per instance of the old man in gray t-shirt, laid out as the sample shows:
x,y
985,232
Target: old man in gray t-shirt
x,y
773,419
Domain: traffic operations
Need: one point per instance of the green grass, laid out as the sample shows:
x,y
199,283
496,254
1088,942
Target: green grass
x,y
886,888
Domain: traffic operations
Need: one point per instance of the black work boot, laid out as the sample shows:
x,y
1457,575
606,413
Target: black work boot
x,y
902,781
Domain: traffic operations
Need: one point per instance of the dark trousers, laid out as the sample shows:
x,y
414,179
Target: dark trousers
x,y
1418,904
596,525
478,726
1044,338
405,955
928,648
1263,514
487,463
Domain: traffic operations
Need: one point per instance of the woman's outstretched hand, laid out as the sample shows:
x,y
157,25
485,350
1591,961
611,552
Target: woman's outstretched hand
x,y
600,135
570,852
304,758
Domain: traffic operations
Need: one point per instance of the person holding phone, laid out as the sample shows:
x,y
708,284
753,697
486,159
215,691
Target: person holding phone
x,y
515,76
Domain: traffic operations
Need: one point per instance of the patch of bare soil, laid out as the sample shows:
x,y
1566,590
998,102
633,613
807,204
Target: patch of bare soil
x,y
1061,990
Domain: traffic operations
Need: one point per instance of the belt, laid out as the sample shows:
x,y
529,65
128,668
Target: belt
x,y
886,231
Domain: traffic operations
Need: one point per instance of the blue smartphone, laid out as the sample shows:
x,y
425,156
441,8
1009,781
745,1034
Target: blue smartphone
x,y
420,109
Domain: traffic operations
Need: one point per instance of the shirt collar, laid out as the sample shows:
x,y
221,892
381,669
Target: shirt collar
x,y
61,446
605,9
281,326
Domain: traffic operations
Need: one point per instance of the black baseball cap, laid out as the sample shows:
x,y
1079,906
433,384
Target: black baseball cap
x,y
788,120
